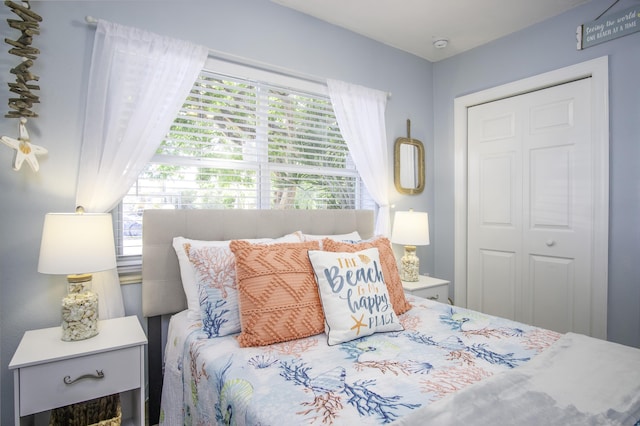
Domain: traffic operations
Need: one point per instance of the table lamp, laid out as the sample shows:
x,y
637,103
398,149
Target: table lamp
x,y
76,245
410,229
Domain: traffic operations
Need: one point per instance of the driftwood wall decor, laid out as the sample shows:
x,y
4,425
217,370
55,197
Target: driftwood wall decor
x,y
23,98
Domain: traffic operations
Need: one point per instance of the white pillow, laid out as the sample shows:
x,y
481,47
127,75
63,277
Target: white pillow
x,y
352,237
215,272
188,273
354,296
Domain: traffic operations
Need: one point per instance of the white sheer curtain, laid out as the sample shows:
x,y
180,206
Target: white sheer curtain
x,y
360,114
137,83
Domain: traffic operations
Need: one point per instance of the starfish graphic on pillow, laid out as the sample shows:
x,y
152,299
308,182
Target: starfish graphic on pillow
x,y
358,324
25,150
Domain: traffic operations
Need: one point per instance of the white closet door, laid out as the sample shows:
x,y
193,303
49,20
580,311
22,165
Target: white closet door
x,y
530,216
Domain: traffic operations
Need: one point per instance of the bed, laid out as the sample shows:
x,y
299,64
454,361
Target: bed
x,y
408,359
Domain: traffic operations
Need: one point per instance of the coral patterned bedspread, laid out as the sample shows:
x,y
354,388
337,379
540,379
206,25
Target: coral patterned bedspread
x,y
373,380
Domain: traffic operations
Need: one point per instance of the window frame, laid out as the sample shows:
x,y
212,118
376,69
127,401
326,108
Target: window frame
x,y
130,266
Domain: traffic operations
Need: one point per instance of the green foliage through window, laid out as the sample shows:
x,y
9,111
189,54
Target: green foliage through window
x,y
241,144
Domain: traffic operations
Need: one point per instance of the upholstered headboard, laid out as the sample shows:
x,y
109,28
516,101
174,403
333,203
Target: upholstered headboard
x,y
162,291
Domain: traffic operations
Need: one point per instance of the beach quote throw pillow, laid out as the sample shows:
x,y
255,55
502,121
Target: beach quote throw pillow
x,y
354,295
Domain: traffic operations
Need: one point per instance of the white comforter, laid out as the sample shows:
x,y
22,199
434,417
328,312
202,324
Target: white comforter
x,y
577,381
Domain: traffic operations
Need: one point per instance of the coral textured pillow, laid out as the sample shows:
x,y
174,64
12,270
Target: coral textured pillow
x,y
389,267
277,292
354,296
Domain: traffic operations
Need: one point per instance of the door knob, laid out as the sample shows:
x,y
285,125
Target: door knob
x,y
550,243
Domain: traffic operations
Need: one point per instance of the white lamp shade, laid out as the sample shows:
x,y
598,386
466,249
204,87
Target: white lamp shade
x,y
411,228
77,244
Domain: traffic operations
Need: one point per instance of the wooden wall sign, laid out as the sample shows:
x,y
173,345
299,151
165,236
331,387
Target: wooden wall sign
x,y
609,27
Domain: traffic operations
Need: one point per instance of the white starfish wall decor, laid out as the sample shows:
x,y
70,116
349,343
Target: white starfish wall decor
x,y
25,150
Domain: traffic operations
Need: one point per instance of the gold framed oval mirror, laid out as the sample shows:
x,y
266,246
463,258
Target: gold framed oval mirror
x,y
408,164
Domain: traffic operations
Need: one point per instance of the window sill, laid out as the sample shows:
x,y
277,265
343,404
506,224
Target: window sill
x,y
130,277
130,270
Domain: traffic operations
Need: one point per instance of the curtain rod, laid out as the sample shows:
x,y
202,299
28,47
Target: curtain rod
x,y
256,64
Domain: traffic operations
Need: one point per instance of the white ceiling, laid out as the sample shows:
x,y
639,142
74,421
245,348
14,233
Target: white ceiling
x,y
413,25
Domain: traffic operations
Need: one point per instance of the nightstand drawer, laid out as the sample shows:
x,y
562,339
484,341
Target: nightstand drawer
x,y
428,288
43,386
438,293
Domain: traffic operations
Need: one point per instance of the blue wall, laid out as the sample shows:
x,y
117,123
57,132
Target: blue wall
x,y
544,47
255,29
263,31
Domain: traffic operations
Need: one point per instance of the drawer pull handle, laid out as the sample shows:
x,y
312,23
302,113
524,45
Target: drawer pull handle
x,y
99,375
434,297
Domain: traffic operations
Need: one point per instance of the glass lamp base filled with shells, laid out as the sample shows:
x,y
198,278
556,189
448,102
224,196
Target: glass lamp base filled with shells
x,y
79,309
410,265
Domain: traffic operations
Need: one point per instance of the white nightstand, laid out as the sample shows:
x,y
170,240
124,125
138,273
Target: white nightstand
x,y
50,373
429,288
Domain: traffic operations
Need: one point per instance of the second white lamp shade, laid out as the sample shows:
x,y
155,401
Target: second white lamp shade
x,y
411,228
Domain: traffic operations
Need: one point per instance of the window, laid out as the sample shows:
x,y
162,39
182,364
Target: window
x,y
243,143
